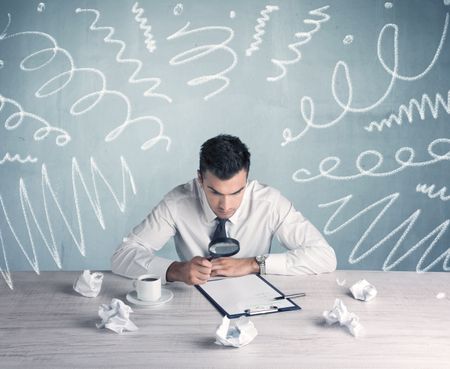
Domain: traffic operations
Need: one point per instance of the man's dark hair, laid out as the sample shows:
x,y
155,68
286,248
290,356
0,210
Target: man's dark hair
x,y
224,156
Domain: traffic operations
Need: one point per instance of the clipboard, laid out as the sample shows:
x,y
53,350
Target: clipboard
x,y
247,295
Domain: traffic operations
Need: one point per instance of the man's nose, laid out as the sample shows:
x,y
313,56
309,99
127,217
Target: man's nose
x,y
224,203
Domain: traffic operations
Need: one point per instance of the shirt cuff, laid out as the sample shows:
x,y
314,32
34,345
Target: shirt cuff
x,y
159,266
276,264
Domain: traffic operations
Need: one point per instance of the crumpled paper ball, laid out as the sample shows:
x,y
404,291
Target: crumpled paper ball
x,y
116,317
237,334
363,290
88,284
340,314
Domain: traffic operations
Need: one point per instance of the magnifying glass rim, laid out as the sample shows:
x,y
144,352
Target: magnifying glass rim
x,y
224,240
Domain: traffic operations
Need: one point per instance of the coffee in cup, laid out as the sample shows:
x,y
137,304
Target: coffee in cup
x,y
148,287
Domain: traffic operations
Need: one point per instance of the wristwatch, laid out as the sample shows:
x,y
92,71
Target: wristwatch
x,y
261,261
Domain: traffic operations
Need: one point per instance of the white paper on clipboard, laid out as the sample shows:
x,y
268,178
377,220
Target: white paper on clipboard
x,y
234,296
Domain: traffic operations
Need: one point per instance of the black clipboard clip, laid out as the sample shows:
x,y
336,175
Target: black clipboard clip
x,y
261,309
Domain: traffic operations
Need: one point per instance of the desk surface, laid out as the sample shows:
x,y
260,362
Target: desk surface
x,y
45,324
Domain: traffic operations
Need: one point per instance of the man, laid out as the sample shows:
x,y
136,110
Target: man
x,y
251,213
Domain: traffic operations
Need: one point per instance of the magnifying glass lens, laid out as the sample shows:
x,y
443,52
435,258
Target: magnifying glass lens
x,y
224,247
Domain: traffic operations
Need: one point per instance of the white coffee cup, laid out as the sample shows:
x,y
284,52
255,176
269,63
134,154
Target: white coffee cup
x,y
148,287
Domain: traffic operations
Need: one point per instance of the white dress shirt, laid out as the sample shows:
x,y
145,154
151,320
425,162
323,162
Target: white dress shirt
x,y
185,214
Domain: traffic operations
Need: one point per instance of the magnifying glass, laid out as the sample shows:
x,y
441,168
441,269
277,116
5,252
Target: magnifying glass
x,y
222,247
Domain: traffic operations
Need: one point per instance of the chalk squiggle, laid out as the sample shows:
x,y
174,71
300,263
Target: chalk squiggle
x,y
150,43
308,115
3,33
259,28
307,106
428,190
407,225
15,119
201,51
17,158
119,56
86,102
407,111
305,38
396,75
331,163
46,186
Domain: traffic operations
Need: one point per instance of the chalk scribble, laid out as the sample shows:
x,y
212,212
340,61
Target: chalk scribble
x,y
414,106
429,190
15,119
404,157
80,106
120,56
202,51
348,39
394,72
305,37
178,9
307,105
17,159
259,28
150,43
28,206
429,241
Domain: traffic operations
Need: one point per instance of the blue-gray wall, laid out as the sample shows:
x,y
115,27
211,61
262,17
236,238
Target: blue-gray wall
x,y
118,95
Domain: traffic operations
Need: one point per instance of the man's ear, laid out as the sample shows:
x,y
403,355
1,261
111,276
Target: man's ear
x,y
199,176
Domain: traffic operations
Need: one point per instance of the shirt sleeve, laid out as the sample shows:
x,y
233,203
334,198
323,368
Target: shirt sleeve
x,y
308,251
136,255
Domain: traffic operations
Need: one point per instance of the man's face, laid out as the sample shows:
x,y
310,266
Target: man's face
x,y
224,196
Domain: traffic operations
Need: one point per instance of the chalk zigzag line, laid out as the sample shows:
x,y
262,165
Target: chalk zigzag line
x,y
428,190
259,28
408,112
29,215
150,43
407,225
119,56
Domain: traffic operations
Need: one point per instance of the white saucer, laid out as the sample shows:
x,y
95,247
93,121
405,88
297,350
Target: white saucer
x,y
166,296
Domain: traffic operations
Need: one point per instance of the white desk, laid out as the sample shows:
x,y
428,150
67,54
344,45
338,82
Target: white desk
x,y
45,324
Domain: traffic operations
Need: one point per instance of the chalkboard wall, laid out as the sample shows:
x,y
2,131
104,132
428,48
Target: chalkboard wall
x,y
104,104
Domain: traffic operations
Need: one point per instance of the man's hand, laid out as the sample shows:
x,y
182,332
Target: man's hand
x,y
231,267
196,271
